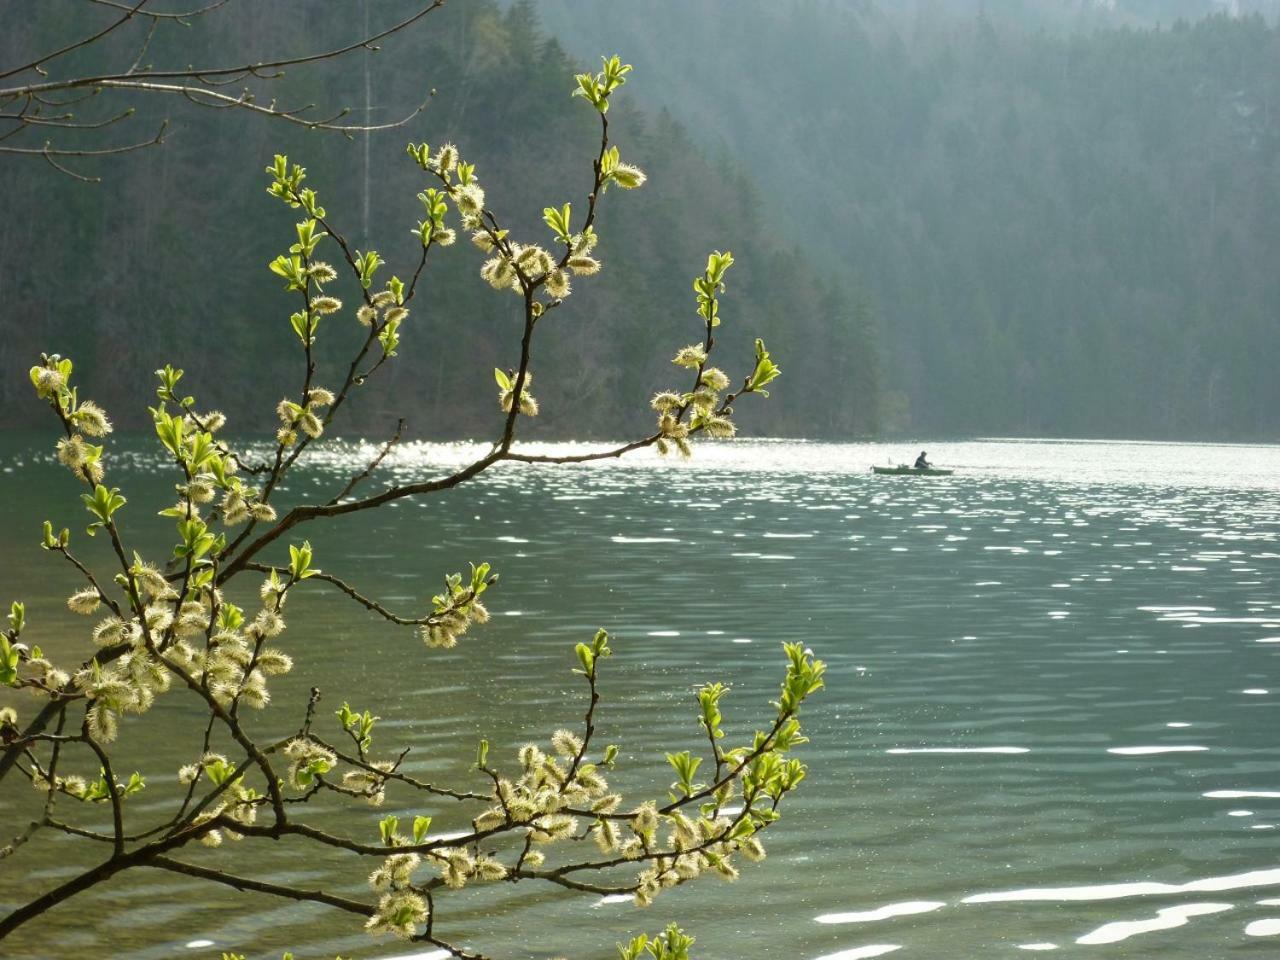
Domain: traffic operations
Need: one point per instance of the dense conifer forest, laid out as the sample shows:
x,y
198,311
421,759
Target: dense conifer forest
x,y
1027,218
168,262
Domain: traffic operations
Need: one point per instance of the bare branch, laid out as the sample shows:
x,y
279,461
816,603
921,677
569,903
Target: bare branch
x,y
49,151
84,42
366,43
146,45
201,96
164,16
198,85
65,121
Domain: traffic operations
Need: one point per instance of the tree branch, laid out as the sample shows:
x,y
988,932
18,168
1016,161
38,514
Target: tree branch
x,y
84,42
249,885
203,72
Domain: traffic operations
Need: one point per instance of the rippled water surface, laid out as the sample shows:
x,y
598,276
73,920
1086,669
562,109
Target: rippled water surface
x,y
1050,722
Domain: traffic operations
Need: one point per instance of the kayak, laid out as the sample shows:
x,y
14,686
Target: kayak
x,y
906,471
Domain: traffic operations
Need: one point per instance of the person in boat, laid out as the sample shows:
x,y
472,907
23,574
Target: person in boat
x,y
922,461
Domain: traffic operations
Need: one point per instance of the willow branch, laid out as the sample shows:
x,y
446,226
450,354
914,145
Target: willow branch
x,y
249,885
400,777
113,791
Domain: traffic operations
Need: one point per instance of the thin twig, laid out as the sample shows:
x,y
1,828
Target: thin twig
x,y
100,80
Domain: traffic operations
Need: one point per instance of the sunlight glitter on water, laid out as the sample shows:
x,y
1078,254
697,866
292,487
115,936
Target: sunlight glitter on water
x,y
862,953
1223,466
1121,891
1165,919
959,750
1154,751
882,913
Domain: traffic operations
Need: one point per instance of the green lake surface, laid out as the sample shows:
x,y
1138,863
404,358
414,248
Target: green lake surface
x,y
1050,721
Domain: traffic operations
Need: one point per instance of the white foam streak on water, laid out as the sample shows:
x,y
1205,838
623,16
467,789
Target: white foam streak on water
x,y
429,955
897,751
883,913
1196,618
1165,919
862,953
1121,891
1037,946
614,898
1263,928
1151,751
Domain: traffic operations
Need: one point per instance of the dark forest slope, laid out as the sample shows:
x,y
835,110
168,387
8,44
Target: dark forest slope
x,y
166,260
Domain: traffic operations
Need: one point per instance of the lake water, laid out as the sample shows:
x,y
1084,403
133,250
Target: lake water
x,y
1050,720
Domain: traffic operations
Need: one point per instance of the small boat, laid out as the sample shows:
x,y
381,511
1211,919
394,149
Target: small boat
x,y
903,470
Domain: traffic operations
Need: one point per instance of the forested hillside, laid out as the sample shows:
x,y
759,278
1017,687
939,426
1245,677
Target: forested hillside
x,y
1069,219
170,262
1055,218
1078,15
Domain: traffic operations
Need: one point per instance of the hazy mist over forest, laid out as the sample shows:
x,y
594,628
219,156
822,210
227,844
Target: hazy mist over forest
x,y
952,217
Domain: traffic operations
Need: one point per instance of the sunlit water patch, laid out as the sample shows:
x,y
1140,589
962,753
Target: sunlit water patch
x,y
1165,919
